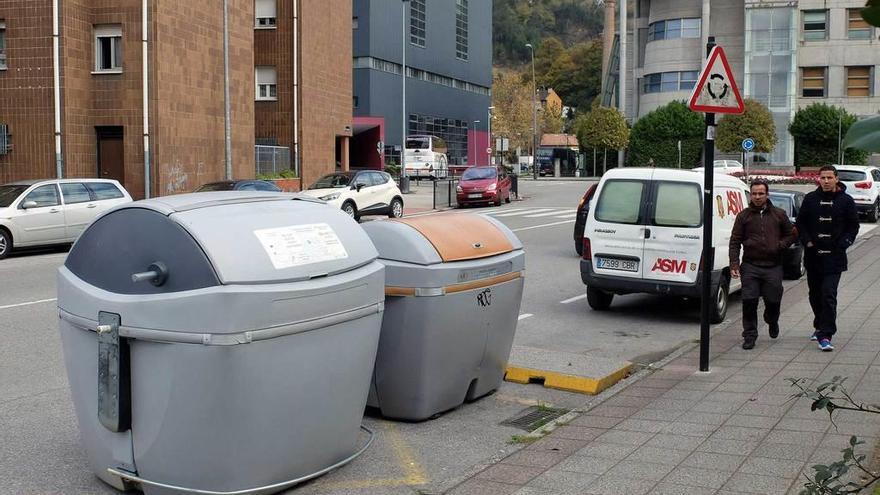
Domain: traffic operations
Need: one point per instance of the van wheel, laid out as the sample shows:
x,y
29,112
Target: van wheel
x,y
719,306
5,243
599,300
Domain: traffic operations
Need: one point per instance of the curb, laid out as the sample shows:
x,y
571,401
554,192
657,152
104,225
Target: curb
x,y
566,382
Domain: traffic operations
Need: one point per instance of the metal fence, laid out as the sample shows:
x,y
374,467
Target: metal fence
x,y
272,160
444,193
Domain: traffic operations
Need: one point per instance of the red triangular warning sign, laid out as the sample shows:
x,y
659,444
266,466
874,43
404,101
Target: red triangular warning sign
x,y
716,90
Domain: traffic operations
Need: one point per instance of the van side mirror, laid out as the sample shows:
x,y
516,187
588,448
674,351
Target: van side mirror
x,y
28,204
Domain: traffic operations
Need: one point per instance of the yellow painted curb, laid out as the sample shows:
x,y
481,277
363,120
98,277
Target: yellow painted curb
x,y
569,383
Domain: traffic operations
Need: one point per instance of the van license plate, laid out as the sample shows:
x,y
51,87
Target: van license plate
x,y
617,264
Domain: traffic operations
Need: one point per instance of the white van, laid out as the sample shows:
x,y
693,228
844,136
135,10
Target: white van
x,y
426,157
644,234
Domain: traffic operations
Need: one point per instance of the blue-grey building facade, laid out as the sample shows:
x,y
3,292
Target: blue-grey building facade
x,y
449,75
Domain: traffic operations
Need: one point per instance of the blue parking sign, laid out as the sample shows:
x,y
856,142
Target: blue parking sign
x,y
748,144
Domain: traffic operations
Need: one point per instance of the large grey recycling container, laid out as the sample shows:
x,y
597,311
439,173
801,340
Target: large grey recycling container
x,y
453,290
244,365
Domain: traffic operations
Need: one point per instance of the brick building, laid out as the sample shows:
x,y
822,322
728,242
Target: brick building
x,y
99,119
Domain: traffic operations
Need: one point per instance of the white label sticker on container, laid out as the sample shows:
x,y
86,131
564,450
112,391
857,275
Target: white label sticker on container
x,y
299,245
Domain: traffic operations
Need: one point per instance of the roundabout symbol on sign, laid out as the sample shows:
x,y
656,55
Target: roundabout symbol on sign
x,y
748,144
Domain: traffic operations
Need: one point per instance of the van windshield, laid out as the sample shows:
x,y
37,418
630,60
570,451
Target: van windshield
x,y
620,201
418,144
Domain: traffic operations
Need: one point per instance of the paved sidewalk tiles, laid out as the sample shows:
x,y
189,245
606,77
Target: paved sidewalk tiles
x,y
734,430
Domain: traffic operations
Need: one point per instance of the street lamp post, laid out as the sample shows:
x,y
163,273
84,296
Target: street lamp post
x,y
403,90
489,136
534,116
475,142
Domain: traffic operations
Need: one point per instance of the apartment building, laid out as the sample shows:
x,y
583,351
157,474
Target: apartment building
x,y
137,91
448,47
786,54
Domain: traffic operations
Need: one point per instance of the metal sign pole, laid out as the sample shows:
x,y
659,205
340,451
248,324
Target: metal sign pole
x,y
708,254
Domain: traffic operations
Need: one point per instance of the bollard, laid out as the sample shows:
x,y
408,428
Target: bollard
x,y
404,184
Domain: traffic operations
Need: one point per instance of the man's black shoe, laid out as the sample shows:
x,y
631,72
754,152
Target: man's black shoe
x,y
748,344
774,330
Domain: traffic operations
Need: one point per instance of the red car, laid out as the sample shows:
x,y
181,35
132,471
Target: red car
x,y
483,185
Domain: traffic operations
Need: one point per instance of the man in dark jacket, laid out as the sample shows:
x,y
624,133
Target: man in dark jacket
x,y
765,232
827,224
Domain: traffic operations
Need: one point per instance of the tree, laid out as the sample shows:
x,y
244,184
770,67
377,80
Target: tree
x,y
755,122
656,135
871,12
817,131
550,120
602,128
513,109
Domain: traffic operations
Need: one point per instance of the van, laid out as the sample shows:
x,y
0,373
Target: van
x,y
426,157
644,234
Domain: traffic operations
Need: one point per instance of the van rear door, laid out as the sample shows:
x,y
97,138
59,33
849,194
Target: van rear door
x,y
673,242
617,229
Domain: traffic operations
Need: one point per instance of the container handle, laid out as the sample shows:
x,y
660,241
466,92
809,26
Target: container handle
x,y
128,476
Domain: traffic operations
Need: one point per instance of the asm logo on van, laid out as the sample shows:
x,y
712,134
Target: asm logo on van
x,y
667,265
734,203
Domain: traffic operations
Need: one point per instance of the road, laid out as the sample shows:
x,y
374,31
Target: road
x,y
40,450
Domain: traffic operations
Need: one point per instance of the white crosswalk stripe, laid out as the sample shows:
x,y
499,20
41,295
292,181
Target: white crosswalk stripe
x,y
518,213
551,213
567,215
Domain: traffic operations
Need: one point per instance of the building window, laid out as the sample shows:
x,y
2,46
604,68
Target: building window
x,y
461,29
354,23
453,131
264,13
5,139
674,29
813,82
108,48
664,82
417,22
2,44
355,102
815,25
858,81
857,27
267,88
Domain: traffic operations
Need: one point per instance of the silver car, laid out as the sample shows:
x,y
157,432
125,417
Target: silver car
x,y
55,211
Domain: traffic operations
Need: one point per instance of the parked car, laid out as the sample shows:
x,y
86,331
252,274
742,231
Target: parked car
x,y
45,212
644,235
359,193
863,184
239,185
483,185
580,221
725,167
793,258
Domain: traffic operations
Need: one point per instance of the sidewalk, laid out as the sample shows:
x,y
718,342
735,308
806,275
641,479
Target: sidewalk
x,y
734,430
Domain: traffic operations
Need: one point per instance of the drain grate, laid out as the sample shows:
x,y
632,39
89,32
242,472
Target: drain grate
x,y
534,417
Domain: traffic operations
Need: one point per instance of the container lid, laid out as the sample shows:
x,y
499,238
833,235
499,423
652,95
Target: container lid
x,y
432,239
207,239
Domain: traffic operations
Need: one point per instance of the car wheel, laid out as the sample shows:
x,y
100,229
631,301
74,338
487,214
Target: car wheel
x,y
443,171
350,209
396,208
599,300
874,214
719,306
5,244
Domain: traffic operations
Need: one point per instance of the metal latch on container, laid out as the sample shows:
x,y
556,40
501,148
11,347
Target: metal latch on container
x,y
429,291
114,378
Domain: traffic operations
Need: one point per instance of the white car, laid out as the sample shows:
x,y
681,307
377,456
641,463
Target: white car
x,y
56,211
725,167
863,184
359,192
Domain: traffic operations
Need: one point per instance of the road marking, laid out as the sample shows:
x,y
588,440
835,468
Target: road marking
x,y
567,215
41,301
524,316
534,210
573,299
542,225
501,209
547,214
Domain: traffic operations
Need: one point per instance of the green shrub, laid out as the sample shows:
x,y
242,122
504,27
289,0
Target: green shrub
x,y
655,137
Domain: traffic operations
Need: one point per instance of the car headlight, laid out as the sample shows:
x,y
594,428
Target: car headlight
x,y
492,187
330,197
459,189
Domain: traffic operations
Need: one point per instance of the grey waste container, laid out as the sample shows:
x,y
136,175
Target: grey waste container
x,y
242,362
453,290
